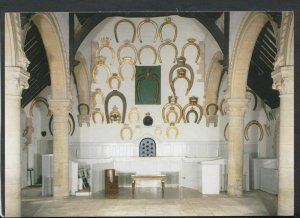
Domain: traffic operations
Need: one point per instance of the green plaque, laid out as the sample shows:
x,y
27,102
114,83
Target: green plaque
x,y
147,85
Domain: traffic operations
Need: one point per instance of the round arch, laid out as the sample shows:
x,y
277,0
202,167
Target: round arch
x,y
247,35
56,54
212,82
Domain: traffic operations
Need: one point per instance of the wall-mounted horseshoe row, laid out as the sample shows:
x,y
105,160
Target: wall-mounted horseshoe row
x,y
246,130
158,31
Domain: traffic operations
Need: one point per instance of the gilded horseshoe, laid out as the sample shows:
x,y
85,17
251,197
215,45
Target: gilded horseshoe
x,y
180,64
131,112
127,21
127,60
147,20
191,41
254,122
35,101
168,21
100,63
181,74
105,44
172,111
126,127
127,45
167,42
193,102
98,111
147,46
116,77
98,92
172,127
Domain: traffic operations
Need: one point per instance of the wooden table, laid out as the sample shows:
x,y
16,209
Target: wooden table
x,y
135,178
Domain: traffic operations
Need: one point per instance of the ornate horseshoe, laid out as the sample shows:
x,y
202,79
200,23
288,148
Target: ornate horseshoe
x,y
172,127
181,74
105,44
85,105
127,60
114,115
141,79
222,111
122,97
98,111
255,98
252,122
168,21
167,42
172,103
173,111
126,127
131,112
212,105
147,46
225,132
127,21
147,20
100,63
180,64
116,77
193,103
192,110
35,101
98,92
191,41
127,45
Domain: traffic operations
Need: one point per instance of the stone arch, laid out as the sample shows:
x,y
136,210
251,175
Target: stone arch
x,y
82,79
58,62
213,79
248,33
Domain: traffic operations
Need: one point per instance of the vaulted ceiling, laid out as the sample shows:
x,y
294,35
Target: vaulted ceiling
x,y
38,67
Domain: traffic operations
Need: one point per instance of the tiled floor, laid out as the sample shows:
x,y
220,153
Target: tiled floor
x,y
149,202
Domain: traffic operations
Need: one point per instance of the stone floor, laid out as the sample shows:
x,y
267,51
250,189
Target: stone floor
x,y
149,202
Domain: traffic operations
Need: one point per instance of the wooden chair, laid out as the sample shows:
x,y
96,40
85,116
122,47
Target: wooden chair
x,y
111,182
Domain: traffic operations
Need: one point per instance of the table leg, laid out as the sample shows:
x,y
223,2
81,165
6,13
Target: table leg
x,y
163,187
133,186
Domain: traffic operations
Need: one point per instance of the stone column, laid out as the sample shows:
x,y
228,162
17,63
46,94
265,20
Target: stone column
x,y
236,109
15,81
283,80
60,109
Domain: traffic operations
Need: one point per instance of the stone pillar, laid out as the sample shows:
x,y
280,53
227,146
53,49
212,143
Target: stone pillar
x,y
283,80
236,109
15,81
60,109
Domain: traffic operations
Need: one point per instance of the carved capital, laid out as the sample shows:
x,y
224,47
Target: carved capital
x,y
60,107
283,80
16,79
236,106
